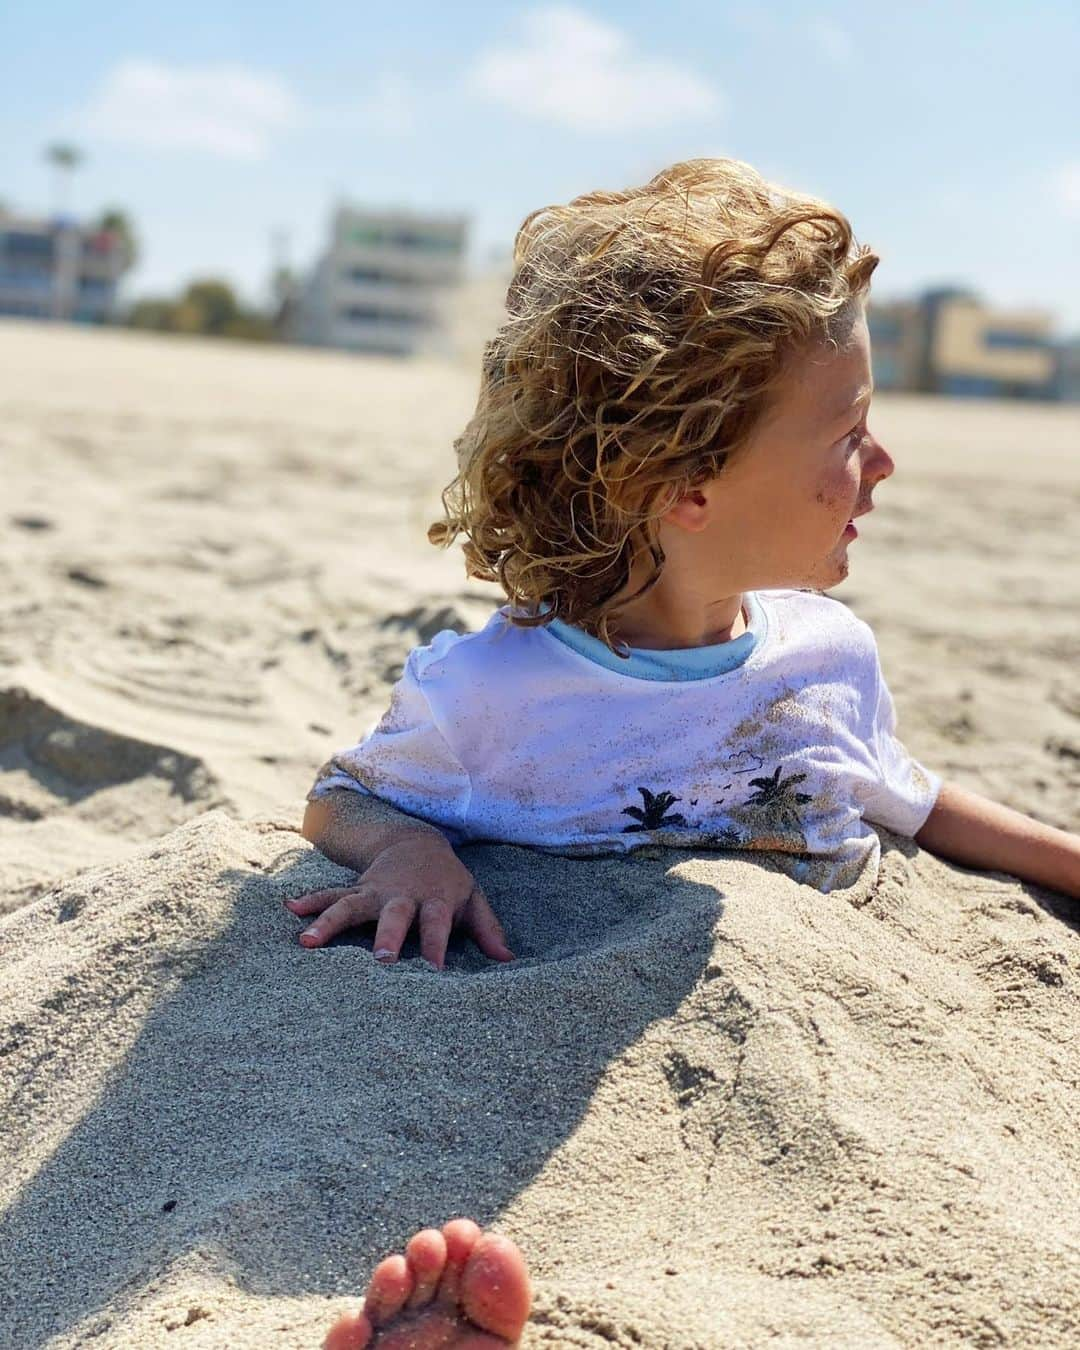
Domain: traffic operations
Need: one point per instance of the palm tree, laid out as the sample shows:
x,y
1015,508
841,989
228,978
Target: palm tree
x,y
65,159
778,792
655,816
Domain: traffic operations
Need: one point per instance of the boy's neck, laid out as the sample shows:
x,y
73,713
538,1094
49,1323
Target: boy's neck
x,y
650,624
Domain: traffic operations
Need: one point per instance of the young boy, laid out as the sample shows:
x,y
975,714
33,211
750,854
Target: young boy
x,y
667,457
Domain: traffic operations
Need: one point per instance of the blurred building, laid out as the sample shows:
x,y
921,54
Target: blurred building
x,y
382,284
1067,379
59,269
985,353
896,343
948,342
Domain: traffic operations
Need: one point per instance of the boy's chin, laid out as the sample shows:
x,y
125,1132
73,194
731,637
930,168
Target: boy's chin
x,y
830,572
820,576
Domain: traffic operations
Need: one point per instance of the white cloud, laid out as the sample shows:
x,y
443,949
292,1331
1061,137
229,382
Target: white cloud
x,y
224,110
1066,186
577,72
831,41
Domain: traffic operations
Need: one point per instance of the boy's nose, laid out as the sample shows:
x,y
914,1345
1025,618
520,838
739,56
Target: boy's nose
x,y
880,464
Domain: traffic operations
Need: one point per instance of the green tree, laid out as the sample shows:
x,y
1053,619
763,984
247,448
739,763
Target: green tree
x,y
252,328
155,313
116,221
207,306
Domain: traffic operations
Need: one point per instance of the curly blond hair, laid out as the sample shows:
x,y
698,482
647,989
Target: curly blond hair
x,y
646,330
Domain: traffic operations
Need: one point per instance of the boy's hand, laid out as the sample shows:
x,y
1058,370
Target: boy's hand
x,y
419,877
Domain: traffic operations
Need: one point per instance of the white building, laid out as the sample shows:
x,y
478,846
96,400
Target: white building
x,y
383,283
59,269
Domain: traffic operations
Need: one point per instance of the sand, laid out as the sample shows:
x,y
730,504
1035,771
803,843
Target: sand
x,y
715,1108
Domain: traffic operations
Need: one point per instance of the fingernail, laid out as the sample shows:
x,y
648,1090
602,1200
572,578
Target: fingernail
x,y
383,953
309,933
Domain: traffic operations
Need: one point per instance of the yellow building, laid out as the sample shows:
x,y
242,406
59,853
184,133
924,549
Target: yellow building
x,y
948,342
973,350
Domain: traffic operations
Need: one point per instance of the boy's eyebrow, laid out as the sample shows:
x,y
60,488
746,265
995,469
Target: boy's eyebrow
x,y
865,394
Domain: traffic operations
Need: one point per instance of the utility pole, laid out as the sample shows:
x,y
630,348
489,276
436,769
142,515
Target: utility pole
x,y
282,281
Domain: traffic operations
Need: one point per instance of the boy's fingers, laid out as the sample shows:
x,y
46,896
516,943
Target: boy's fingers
x,y
316,901
349,910
436,920
486,929
394,923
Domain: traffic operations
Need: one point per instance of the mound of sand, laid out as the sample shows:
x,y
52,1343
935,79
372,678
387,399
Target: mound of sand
x,y
715,1107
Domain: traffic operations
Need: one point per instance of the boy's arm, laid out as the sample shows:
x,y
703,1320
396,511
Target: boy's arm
x,y
980,833
424,881
352,828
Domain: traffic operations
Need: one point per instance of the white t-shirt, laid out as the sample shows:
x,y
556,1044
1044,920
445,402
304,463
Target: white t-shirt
x,y
782,739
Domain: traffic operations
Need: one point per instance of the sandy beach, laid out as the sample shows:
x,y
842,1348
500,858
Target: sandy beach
x,y
714,1107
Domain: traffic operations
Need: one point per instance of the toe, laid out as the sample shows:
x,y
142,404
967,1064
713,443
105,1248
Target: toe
x,y
461,1237
426,1255
494,1290
351,1332
388,1290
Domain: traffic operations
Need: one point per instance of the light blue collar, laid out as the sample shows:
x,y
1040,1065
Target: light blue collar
x,y
685,663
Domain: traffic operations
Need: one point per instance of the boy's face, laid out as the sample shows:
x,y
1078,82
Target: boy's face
x,y
778,516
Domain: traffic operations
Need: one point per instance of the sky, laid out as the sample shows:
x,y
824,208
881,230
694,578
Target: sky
x,y
948,133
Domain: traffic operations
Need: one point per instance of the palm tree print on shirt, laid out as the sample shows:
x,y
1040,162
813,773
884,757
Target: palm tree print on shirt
x,y
774,798
768,818
779,792
654,816
771,817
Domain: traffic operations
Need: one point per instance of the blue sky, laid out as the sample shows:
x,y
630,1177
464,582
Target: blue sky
x,y
948,133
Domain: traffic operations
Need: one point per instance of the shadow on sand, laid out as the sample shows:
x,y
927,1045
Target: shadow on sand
x,y
287,1115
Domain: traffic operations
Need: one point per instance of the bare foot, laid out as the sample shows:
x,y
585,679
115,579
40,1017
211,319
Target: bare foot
x,y
455,1290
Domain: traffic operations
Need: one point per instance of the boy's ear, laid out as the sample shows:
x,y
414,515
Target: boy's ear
x,y
691,510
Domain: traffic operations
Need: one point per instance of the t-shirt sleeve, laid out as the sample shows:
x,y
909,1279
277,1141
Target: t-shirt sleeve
x,y
405,760
901,792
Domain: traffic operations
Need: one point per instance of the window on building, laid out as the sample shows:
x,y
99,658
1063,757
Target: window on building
x,y
377,314
379,274
973,386
422,241
1015,340
91,288
21,246
24,279
427,243
366,234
